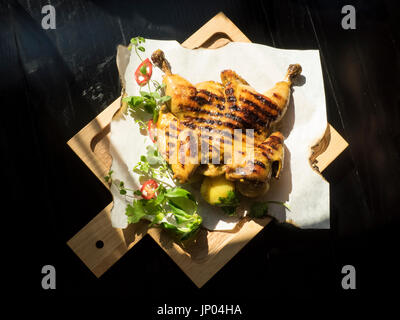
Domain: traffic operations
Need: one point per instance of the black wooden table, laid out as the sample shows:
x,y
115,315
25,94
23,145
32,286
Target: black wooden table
x,y
55,81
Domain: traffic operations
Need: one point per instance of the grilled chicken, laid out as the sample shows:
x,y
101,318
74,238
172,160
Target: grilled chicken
x,y
212,111
176,150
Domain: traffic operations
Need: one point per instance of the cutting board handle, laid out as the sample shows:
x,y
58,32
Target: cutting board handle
x,y
210,35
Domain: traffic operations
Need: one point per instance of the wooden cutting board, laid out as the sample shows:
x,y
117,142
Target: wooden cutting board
x,y
99,245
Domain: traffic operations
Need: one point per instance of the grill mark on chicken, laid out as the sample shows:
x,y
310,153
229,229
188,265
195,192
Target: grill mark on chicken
x,y
260,121
172,136
190,125
190,122
276,139
273,146
244,123
234,107
265,154
231,98
244,113
197,109
259,163
264,148
256,163
207,128
260,111
204,120
230,94
278,96
273,142
212,95
220,108
199,100
264,100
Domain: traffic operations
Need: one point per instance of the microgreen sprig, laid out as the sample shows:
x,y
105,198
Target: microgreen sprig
x,y
121,185
136,44
153,165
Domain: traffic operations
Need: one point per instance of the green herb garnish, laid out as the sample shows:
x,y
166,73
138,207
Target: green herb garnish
x,y
136,44
229,203
174,209
151,101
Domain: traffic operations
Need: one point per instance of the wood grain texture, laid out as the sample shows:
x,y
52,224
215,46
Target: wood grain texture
x,y
203,258
90,144
210,251
99,245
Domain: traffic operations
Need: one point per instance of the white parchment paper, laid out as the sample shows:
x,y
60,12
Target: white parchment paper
x,y
305,191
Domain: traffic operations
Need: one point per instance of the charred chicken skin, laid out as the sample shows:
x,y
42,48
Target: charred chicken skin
x,y
212,112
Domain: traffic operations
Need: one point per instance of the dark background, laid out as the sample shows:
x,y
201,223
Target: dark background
x,y
53,82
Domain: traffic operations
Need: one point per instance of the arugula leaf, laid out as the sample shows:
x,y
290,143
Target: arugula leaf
x,y
179,214
185,204
184,230
177,193
182,199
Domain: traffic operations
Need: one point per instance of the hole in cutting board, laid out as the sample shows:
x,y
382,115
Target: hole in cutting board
x,y
99,244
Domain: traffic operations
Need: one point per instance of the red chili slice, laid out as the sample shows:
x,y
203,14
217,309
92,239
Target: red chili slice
x,y
143,72
148,189
152,130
